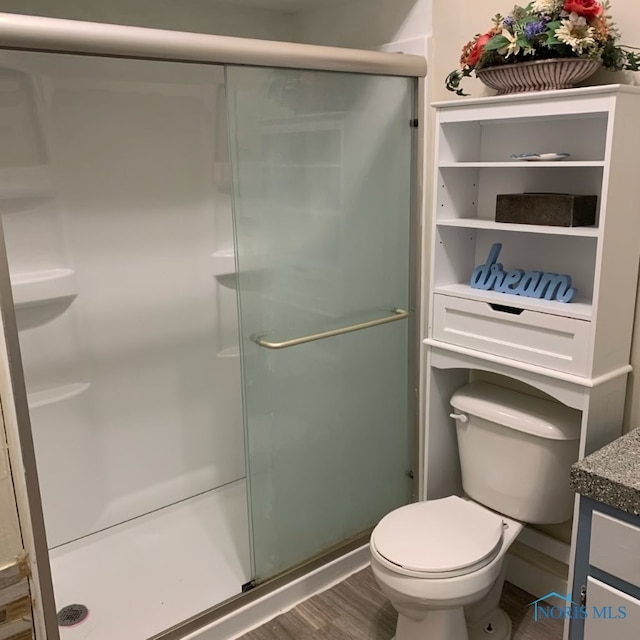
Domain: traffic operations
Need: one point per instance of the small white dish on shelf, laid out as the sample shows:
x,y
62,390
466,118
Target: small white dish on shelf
x,y
544,157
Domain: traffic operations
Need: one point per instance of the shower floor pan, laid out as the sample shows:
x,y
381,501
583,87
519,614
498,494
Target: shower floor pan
x,y
146,575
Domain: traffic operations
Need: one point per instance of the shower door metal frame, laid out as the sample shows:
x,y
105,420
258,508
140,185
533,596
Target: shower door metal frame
x,y
53,35
34,33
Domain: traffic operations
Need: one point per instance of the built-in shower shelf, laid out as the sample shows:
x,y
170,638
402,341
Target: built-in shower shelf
x,y
25,182
224,267
37,287
230,352
56,394
223,262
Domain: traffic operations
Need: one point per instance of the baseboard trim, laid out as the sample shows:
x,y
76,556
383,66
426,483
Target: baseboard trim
x,y
556,549
272,604
535,574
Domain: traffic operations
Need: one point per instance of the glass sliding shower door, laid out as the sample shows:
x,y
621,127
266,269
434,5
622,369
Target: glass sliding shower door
x,y
115,205
322,168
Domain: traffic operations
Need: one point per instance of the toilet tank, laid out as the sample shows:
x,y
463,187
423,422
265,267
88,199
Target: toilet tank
x,y
516,451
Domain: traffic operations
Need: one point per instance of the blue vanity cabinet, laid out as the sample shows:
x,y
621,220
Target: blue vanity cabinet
x,y
606,584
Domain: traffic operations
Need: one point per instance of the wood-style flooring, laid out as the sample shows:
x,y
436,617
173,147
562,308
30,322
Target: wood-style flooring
x,y
355,609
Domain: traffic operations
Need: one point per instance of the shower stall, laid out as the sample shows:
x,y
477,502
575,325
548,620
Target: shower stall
x,y
209,309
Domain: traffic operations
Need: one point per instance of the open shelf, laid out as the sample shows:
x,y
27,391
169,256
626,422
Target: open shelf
x,y
469,190
56,394
223,254
229,352
490,140
37,287
580,309
519,164
492,225
224,262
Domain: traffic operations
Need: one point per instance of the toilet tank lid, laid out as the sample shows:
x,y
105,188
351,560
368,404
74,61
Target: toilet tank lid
x,y
535,416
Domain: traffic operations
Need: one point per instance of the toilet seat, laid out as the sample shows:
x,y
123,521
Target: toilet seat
x,y
439,538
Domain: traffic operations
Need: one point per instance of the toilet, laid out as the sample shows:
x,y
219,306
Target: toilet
x,y
441,562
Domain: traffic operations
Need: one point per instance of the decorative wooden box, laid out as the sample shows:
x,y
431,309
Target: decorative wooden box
x,y
556,209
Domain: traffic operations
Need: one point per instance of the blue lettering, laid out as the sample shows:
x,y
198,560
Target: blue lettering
x,y
528,284
600,613
532,284
553,285
480,277
544,611
622,612
512,277
496,277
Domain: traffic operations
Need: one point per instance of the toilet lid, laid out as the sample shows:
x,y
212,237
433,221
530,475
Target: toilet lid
x,y
438,536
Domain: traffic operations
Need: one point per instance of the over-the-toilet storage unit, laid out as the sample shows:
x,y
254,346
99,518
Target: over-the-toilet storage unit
x,y
576,352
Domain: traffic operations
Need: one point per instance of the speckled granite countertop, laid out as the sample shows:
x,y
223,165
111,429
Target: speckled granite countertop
x,y
612,474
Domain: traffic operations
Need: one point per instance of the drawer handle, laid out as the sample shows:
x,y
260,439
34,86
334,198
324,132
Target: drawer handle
x,y
503,308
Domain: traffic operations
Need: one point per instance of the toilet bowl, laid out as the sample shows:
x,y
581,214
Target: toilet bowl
x,y
430,573
441,562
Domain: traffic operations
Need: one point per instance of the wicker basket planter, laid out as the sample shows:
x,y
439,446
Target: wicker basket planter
x,y
538,75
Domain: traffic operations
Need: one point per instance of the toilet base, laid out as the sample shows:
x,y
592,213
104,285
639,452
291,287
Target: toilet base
x,y
444,624
495,626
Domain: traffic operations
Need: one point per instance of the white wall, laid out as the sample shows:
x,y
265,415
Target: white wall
x,y
364,24
206,16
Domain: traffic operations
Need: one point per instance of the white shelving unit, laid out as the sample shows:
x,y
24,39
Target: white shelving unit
x,y
577,352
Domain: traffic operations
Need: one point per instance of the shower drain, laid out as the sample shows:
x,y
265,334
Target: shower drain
x,y
72,614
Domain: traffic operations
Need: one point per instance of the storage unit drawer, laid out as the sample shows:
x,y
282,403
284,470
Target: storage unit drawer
x,y
538,338
615,547
611,614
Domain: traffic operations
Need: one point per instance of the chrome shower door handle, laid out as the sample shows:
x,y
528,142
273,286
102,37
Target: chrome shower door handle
x,y
398,314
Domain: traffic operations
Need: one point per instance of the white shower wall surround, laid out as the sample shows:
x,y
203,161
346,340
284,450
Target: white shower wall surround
x,y
118,258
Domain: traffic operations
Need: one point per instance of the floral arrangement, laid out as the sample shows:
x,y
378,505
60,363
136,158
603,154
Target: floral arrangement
x,y
546,29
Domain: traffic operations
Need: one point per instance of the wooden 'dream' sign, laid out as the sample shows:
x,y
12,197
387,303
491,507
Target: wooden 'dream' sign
x,y
532,284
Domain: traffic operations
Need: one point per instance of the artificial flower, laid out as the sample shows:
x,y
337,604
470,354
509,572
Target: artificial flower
x,y
543,30
533,29
476,49
547,7
602,30
511,47
575,32
586,8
